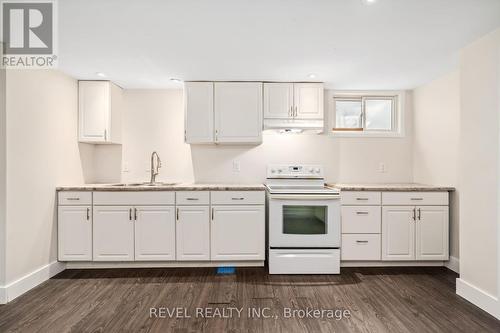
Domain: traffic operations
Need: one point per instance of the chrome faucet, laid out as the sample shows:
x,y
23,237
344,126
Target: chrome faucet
x,y
154,168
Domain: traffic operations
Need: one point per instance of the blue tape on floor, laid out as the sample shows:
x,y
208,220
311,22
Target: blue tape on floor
x,y
226,270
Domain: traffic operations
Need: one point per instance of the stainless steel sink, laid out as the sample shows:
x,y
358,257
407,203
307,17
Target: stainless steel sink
x,y
145,184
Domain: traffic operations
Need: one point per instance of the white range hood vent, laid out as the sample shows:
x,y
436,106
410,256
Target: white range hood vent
x,y
294,125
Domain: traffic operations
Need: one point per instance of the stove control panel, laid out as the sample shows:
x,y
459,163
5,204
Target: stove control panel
x,y
294,171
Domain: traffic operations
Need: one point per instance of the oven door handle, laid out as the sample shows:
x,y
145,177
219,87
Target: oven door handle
x,y
304,196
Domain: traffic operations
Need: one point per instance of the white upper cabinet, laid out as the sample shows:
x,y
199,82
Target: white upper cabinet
x,y
99,112
308,100
293,101
278,100
199,112
238,112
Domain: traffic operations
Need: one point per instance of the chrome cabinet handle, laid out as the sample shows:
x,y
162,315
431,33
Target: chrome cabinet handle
x,y
417,199
105,135
419,213
361,241
212,213
237,198
192,199
361,199
414,214
130,214
88,214
362,213
72,199
135,214
295,113
177,214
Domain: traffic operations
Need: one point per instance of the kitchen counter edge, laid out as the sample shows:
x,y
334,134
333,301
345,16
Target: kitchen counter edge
x,y
410,187
180,187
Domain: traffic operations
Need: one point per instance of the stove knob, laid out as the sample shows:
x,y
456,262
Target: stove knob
x,y
273,171
316,170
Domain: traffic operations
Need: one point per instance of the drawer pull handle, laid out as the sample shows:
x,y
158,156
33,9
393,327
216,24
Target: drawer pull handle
x,y
362,213
417,199
361,199
361,241
88,214
73,199
238,198
192,199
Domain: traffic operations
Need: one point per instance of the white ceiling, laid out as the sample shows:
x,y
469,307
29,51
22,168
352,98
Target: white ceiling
x,y
392,44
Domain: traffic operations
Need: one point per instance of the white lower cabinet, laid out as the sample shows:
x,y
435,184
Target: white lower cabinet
x,y
415,233
113,234
193,233
432,233
398,233
74,233
154,233
161,226
237,233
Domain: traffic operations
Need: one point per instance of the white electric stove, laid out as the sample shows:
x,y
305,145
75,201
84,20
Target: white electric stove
x,y
304,221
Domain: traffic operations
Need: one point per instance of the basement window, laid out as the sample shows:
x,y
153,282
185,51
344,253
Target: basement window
x,y
366,115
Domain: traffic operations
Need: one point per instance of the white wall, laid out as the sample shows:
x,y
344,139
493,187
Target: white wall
x,y
3,128
153,120
42,153
436,125
479,172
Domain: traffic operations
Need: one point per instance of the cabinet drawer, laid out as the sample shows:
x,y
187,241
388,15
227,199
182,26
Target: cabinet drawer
x,y
193,198
360,198
361,219
74,198
135,198
360,247
237,197
415,198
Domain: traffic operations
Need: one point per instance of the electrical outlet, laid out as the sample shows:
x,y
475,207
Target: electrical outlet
x,y
125,167
236,166
381,167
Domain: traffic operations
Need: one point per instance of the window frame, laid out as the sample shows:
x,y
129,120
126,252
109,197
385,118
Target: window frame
x,y
397,114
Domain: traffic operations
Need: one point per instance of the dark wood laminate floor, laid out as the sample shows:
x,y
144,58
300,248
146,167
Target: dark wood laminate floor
x,y
378,299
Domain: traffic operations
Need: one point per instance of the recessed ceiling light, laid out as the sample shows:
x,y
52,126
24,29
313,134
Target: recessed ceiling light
x,y
100,74
174,79
312,76
369,1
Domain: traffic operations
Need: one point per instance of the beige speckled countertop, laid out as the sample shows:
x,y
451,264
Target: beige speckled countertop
x,y
176,187
404,187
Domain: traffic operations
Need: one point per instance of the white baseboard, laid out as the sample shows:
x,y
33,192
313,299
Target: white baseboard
x,y
160,264
453,264
478,297
390,263
15,289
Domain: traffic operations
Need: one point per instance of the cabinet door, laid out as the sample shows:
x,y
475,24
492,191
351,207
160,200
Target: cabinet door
x,y
238,112
237,233
193,233
278,100
199,112
74,230
308,100
113,233
398,233
154,233
94,110
432,233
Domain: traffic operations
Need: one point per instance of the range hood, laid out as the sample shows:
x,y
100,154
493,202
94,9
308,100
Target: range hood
x,y
294,125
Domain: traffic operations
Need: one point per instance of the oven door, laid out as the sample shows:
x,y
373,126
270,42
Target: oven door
x,y
304,221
